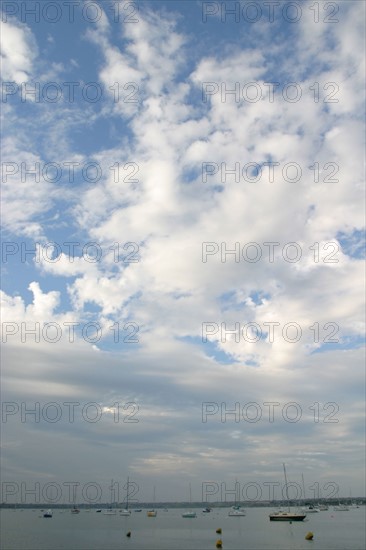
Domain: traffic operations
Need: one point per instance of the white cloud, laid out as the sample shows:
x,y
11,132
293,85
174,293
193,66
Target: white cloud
x,y
18,52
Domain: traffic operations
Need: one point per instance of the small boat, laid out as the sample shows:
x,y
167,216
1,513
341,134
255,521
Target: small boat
x,y
111,511
236,513
310,509
323,507
138,510
152,513
189,515
126,511
341,508
98,511
74,510
48,514
206,510
286,516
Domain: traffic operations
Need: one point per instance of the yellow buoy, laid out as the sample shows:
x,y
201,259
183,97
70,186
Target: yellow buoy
x,y
219,543
309,535
219,531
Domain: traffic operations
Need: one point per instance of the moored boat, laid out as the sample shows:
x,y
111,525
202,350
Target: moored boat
x,y
286,516
236,513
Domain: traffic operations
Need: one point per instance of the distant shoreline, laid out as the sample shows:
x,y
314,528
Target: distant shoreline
x,y
145,505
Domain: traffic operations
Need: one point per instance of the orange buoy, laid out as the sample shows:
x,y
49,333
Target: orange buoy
x,y
309,536
219,543
219,531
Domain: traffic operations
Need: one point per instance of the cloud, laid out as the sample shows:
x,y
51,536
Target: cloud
x,y
18,51
158,204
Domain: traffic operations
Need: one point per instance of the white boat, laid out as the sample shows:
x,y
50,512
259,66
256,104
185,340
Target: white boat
x,y
323,507
236,510
206,510
110,511
189,514
286,516
48,514
126,511
310,509
341,508
236,513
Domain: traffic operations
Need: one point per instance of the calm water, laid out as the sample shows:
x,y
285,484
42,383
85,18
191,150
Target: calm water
x,y
25,530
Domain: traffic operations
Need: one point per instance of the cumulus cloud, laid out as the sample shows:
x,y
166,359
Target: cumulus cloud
x,y
171,208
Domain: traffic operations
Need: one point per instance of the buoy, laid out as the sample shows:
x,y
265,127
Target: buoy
x,y
219,531
219,543
128,534
309,535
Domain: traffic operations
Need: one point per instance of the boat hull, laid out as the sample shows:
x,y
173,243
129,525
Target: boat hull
x,y
288,517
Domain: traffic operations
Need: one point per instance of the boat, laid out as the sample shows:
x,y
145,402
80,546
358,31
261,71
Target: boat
x,y
236,513
341,508
310,509
110,511
74,510
138,510
126,511
48,514
152,513
98,511
286,516
206,510
236,510
323,507
189,514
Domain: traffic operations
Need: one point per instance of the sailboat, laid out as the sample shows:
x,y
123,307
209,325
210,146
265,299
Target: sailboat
x,y
236,511
311,509
74,510
126,511
48,514
152,513
341,508
110,511
286,516
190,514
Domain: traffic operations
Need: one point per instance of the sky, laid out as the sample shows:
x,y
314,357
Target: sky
x,y
183,249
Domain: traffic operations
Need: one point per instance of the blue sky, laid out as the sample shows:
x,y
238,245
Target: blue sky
x,y
166,267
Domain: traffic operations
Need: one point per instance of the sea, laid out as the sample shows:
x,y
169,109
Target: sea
x,y
89,530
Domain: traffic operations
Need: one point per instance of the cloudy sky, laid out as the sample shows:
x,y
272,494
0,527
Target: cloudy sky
x,y
183,255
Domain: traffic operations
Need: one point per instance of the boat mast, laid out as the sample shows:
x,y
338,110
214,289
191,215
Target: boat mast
x,y
303,486
286,486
